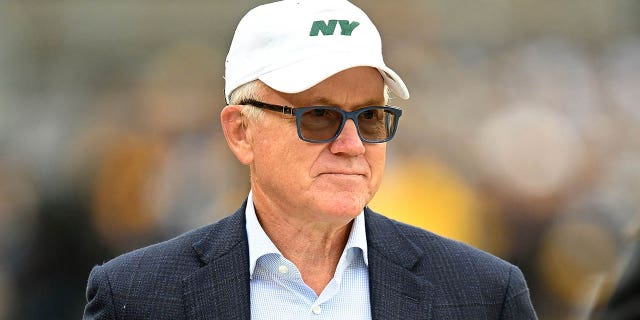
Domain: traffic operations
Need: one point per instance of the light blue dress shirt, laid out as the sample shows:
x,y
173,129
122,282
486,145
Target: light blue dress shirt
x,y
278,291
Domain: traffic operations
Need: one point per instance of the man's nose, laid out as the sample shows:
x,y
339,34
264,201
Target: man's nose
x,y
348,142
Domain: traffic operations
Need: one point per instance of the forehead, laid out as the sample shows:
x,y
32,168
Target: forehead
x,y
351,88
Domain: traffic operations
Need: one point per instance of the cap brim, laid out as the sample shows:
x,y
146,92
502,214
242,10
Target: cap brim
x,y
291,78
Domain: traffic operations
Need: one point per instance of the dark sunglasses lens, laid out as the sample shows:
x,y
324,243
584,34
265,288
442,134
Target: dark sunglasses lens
x,y
320,124
377,124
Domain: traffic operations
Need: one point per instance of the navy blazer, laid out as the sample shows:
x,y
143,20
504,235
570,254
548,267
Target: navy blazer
x,y
204,274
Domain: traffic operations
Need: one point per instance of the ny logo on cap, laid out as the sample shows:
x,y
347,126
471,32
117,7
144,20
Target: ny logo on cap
x,y
328,29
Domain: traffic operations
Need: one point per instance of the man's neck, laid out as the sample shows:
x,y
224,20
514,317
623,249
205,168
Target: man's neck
x,y
315,248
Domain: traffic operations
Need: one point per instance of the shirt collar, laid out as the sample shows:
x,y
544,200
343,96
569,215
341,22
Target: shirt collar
x,y
260,244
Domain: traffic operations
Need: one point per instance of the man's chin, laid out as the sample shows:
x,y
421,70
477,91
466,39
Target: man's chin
x,y
345,204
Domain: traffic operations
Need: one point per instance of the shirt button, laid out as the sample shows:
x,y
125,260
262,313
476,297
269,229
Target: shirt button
x,y
283,269
316,309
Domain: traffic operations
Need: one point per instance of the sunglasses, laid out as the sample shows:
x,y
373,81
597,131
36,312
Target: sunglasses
x,y
322,124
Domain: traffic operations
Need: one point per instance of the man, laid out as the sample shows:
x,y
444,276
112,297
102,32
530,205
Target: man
x,y
307,91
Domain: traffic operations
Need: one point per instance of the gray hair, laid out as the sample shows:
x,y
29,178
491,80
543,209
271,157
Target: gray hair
x,y
250,90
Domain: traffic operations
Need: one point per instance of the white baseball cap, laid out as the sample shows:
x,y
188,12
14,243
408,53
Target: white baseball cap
x,y
292,45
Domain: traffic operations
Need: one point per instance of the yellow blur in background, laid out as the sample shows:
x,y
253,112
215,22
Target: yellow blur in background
x,y
428,194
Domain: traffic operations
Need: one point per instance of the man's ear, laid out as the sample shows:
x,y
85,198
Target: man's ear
x,y
234,128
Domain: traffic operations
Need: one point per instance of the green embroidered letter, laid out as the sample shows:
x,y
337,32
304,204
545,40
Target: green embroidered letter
x,y
347,27
321,26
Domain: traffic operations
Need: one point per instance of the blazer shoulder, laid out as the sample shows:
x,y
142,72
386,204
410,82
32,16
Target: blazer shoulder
x,y
179,247
129,284
150,279
188,250
435,246
455,267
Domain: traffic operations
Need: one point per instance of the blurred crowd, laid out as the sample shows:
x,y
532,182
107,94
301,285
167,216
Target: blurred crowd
x,y
521,137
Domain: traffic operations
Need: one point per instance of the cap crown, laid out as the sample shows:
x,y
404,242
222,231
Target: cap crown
x,y
292,45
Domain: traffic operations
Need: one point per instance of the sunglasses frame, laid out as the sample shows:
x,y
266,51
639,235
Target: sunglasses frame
x,y
346,115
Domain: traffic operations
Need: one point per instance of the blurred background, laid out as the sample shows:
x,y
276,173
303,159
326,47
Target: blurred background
x,y
520,138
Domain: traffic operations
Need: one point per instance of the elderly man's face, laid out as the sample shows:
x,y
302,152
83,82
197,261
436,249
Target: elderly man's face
x,y
322,181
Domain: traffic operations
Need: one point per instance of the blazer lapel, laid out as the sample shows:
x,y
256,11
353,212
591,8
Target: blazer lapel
x,y
220,289
395,291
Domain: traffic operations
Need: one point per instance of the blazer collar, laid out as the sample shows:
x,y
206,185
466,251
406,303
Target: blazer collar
x,y
220,288
395,291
